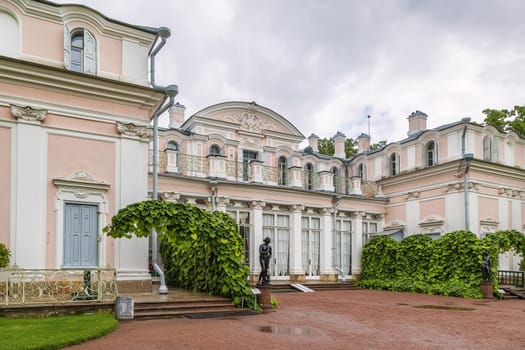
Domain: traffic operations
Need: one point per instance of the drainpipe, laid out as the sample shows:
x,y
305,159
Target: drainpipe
x,y
467,157
171,91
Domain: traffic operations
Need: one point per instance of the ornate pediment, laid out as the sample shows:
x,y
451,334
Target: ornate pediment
x,y
28,113
134,131
81,184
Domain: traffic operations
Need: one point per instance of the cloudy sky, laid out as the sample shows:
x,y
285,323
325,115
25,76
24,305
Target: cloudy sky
x,y
327,64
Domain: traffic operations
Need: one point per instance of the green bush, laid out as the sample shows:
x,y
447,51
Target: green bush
x,y
201,250
5,254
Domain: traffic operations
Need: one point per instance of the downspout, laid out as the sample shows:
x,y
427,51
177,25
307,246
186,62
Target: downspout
x,y
171,91
467,157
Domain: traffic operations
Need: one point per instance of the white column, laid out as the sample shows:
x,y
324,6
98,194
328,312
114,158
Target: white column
x,y
30,188
357,241
296,267
327,242
257,237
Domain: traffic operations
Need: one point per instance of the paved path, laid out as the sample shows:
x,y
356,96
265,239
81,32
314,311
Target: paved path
x,y
356,319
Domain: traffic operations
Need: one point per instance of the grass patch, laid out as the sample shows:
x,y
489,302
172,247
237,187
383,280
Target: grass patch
x,y
53,332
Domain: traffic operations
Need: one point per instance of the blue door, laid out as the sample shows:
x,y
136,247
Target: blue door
x,y
80,235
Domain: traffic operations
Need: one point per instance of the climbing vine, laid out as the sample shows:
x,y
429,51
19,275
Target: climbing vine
x,y
200,250
450,265
5,254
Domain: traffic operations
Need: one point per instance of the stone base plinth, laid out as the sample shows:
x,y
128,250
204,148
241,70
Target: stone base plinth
x,y
134,286
265,298
294,278
329,277
487,289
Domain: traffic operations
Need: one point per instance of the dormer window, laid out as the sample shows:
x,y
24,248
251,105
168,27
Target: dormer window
x,y
430,154
394,164
80,51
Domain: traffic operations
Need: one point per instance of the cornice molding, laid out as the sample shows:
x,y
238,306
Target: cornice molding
x,y
34,75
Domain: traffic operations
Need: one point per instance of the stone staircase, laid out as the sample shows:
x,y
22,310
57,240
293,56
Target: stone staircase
x,y
316,286
209,306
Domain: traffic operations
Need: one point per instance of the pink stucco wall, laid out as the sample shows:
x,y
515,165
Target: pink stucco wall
x,y
87,103
434,207
488,208
68,155
397,212
34,29
5,169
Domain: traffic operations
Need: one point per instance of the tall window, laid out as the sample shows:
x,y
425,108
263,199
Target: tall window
x,y
361,171
394,164
247,157
309,176
80,51
335,179
277,227
369,228
490,148
242,219
282,171
343,245
430,154
310,246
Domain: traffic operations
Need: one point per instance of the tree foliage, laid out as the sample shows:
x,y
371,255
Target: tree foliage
x,y
505,120
327,146
450,265
201,250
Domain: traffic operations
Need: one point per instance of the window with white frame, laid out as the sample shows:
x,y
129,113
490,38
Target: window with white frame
x,y
80,50
309,176
369,228
490,148
282,171
430,154
343,246
394,164
310,245
361,171
277,227
242,219
336,179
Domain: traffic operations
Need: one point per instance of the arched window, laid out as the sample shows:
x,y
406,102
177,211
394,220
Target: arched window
x,y
490,148
309,176
215,150
172,145
361,171
335,178
430,154
394,164
282,171
80,51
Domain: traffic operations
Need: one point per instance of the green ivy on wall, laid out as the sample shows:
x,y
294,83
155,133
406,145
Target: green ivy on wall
x,y
5,254
201,250
450,265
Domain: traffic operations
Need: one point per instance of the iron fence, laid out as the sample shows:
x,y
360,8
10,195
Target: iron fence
x,y
24,286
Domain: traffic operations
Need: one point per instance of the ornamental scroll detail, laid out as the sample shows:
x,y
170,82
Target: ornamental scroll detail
x,y
134,131
29,113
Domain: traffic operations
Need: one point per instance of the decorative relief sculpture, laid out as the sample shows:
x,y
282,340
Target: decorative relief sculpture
x,y
28,113
132,130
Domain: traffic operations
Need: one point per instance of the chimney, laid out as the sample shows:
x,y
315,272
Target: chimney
x,y
176,115
313,141
417,121
339,145
363,143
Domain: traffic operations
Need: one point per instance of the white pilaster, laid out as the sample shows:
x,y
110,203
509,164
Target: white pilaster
x,y
357,241
133,254
257,238
296,267
30,189
327,242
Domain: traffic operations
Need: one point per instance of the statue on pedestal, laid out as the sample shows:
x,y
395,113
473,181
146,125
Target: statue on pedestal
x,y
265,254
486,268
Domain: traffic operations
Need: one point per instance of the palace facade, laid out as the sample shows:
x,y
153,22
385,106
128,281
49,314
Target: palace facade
x,y
76,105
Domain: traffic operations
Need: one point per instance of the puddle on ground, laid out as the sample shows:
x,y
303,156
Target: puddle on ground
x,y
287,330
441,307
